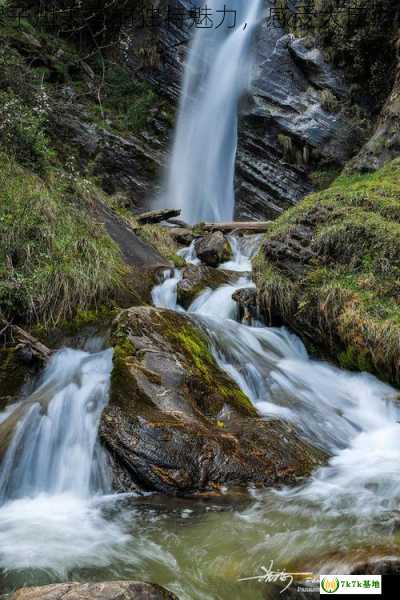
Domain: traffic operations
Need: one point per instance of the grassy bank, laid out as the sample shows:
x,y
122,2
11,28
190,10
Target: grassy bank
x,y
330,268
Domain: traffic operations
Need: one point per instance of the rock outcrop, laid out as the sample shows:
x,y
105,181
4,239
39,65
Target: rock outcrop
x,y
329,269
177,424
285,129
246,299
384,145
109,590
213,249
195,278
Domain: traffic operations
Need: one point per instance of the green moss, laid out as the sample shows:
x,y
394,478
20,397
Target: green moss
x,y
160,238
178,261
194,345
355,359
101,317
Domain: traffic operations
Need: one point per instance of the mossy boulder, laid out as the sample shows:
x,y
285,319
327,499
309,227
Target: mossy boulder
x,y
213,249
195,278
330,269
177,424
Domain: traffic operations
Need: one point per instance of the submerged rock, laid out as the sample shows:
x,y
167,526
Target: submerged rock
x,y
213,249
110,590
195,278
179,425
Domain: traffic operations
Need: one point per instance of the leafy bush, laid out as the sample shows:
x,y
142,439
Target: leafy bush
x,y
131,99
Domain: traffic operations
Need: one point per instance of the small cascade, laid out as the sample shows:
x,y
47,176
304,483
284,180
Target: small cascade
x,y
352,416
54,448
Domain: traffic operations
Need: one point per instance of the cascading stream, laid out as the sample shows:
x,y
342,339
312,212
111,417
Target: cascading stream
x,y
54,474
353,416
201,172
55,447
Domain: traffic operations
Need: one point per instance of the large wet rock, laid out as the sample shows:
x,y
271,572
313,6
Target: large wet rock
x,y
143,262
195,278
110,590
179,425
213,249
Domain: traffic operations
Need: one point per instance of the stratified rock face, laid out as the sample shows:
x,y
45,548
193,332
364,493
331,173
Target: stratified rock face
x,y
384,144
284,100
179,425
111,590
213,249
128,165
285,128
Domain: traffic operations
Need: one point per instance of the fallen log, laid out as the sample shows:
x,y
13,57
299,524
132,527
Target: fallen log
x,y
239,226
156,216
28,347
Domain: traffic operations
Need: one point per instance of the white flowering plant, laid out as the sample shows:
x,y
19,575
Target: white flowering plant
x,y
23,128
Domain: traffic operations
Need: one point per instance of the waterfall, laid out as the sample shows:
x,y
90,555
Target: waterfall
x,y
201,172
54,475
54,448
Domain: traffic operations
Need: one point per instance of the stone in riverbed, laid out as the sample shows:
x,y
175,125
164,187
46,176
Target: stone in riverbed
x,y
177,424
213,249
195,278
246,299
110,590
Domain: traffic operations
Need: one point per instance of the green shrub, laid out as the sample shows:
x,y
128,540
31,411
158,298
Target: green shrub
x,y
127,97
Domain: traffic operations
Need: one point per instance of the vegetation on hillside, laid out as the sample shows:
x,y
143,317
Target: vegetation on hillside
x,y
53,262
359,36
330,268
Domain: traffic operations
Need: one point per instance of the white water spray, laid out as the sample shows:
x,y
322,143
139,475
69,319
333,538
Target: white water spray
x,y
54,448
54,474
201,174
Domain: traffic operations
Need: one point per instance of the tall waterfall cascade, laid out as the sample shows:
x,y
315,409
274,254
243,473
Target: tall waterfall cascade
x,y
201,173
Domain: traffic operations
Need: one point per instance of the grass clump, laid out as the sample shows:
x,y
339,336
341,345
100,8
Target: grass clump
x,y
344,292
329,102
53,262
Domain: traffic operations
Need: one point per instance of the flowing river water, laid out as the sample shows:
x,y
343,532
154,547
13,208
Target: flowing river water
x,y
60,521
